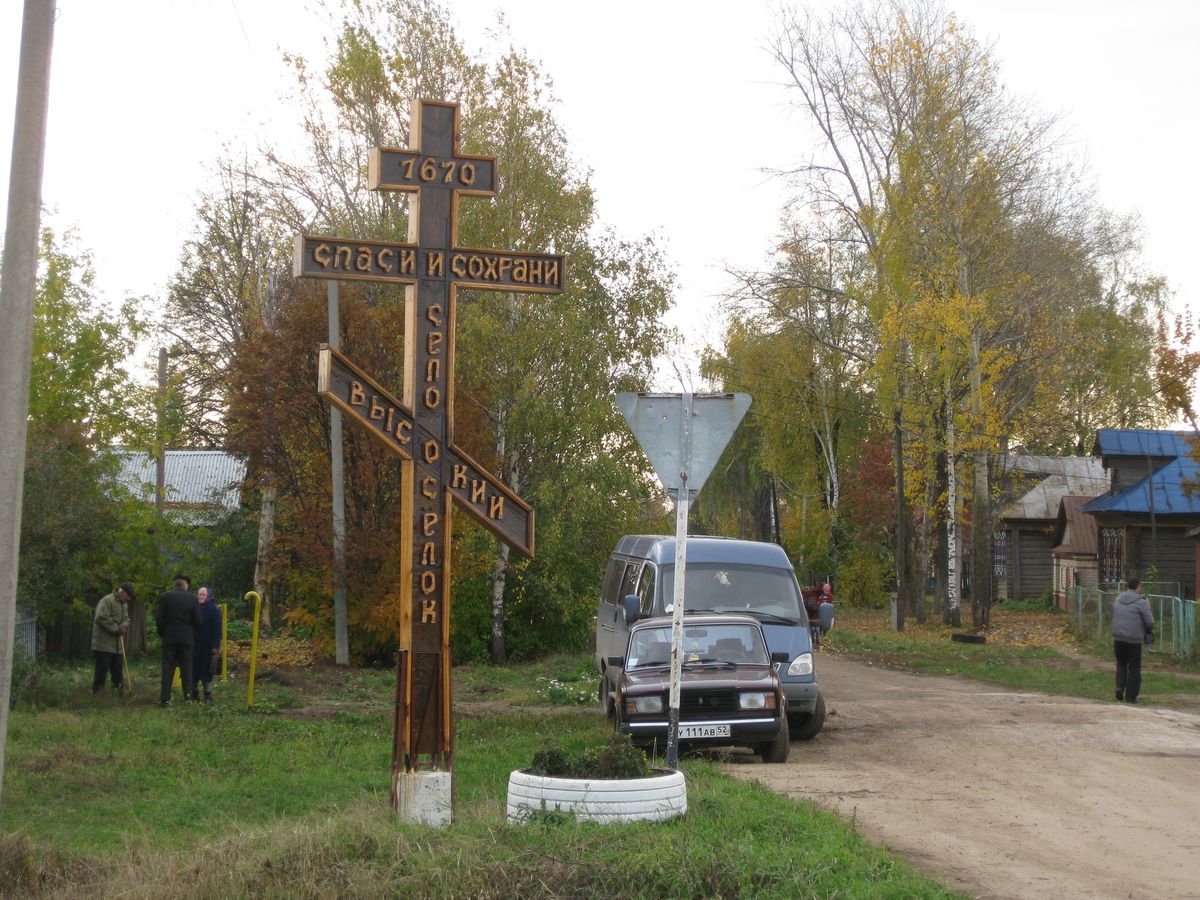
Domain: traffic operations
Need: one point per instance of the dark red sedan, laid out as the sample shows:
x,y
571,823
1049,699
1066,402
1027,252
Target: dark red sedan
x,y
729,693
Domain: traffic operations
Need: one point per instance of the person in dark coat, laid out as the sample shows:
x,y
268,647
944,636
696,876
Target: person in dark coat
x,y
1131,622
206,645
178,613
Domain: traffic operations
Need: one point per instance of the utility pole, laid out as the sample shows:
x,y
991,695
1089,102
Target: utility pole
x,y
17,288
160,448
341,635
901,521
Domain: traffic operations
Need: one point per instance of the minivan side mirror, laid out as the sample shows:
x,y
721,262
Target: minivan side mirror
x,y
631,603
779,656
825,617
617,661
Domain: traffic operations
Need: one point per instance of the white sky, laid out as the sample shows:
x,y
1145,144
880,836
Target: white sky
x,y
674,106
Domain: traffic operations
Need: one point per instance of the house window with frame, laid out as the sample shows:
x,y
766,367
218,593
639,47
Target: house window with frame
x,y
1000,553
1112,555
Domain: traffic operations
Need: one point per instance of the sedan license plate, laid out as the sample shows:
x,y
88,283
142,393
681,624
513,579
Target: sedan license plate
x,y
691,732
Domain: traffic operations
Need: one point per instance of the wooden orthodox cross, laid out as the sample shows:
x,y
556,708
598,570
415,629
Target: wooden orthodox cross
x,y
419,426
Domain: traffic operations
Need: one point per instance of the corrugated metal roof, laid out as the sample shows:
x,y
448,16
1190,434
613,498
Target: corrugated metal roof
x,y
1082,476
1169,487
1085,466
194,478
1142,442
1076,530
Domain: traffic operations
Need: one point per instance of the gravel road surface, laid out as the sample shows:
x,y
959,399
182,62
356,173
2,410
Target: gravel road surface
x,y
1001,793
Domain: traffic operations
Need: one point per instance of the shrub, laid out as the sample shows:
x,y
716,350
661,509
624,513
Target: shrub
x,y
861,579
24,671
558,692
617,757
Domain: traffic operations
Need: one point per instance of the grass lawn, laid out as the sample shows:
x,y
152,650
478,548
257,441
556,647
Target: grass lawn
x,y
290,799
1025,649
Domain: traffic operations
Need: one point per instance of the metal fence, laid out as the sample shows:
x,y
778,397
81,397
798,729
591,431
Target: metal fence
x,y
25,637
1174,620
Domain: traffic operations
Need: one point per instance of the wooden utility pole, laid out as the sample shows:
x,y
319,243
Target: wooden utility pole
x,y
160,447
902,520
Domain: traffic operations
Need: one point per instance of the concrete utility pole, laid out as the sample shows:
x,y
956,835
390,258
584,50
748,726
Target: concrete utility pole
x,y
341,633
19,275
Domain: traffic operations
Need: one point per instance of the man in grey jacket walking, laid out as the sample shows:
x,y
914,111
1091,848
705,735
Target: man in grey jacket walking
x,y
1132,621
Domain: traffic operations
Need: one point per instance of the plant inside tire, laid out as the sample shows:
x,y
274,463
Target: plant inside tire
x,y
806,726
776,751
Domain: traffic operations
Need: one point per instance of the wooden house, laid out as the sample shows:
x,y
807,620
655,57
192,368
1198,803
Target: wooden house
x,y
1147,521
201,486
1022,564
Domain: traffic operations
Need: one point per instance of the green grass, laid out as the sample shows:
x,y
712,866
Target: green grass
x,y
1033,668
291,799
1030,604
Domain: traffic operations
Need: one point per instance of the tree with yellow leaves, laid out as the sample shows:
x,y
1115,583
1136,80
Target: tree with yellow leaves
x,y
985,251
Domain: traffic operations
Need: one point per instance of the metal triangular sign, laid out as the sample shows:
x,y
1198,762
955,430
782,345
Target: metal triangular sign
x,y
657,421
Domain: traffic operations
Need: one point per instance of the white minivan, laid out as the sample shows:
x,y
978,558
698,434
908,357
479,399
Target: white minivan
x,y
723,575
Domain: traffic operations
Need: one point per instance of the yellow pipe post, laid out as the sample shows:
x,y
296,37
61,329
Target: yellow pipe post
x,y
224,641
253,644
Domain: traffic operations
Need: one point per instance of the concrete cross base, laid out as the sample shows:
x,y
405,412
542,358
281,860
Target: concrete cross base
x,y
423,798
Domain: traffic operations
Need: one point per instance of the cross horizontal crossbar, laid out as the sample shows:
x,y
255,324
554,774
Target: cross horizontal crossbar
x,y
399,169
348,260
491,502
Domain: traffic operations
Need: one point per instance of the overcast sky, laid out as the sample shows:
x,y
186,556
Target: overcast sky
x,y
145,93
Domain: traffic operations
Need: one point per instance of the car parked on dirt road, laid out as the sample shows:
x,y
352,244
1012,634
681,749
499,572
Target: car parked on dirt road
x,y
723,576
729,693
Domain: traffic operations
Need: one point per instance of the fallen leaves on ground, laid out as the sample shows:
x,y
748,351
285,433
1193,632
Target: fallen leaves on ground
x,y
1031,629
278,650
1020,629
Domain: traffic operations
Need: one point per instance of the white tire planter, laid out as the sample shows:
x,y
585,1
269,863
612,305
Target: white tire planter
x,y
651,799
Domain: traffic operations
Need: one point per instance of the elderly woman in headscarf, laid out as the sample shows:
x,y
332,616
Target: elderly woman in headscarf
x,y
206,645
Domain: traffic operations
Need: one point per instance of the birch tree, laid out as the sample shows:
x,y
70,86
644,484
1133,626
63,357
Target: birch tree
x,y
944,178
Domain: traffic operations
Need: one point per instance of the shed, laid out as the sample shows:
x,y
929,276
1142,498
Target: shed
x,y
1074,551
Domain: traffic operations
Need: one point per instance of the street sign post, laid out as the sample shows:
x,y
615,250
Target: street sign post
x,y
683,435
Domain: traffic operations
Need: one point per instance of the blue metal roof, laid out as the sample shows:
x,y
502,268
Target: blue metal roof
x,y
1168,486
1142,442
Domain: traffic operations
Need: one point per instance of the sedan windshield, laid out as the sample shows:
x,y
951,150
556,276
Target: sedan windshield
x,y
720,587
718,644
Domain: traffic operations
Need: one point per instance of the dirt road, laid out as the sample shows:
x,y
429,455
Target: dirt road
x,y
1003,794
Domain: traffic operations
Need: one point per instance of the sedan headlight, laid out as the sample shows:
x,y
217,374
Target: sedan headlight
x,y
756,700
801,665
649,704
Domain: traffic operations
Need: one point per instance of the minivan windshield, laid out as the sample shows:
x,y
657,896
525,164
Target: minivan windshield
x,y
722,587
